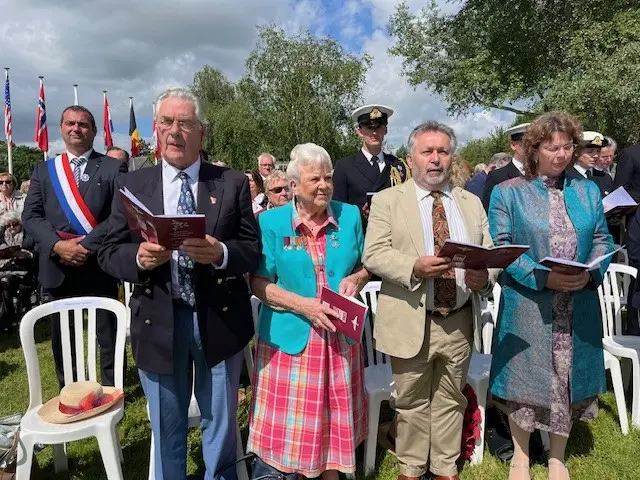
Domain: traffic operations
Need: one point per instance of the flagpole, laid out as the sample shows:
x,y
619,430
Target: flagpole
x,y
75,94
9,157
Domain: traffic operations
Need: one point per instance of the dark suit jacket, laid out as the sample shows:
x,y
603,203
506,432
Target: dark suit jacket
x,y
477,183
42,216
633,249
353,177
628,171
496,177
604,182
222,296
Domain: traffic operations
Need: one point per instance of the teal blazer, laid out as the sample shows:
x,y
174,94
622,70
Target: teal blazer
x,y
293,269
521,366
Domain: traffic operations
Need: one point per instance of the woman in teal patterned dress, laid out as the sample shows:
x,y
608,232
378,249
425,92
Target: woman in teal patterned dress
x,y
548,363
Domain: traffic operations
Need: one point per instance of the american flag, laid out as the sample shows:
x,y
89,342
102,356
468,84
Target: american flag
x,y
108,125
42,135
7,109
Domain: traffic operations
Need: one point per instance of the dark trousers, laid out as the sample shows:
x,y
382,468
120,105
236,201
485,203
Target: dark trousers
x,y
105,326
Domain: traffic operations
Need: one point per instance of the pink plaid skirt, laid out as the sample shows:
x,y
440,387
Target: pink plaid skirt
x,y
309,411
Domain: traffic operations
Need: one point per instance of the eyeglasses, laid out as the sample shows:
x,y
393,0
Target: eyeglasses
x,y
5,182
279,189
13,224
555,149
165,123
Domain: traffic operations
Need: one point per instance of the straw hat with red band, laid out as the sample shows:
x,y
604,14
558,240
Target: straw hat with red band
x,y
79,401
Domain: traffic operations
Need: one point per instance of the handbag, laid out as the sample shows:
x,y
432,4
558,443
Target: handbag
x,y
499,438
259,469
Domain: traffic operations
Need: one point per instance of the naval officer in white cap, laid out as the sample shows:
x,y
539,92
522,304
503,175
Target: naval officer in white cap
x,y
586,157
513,169
370,169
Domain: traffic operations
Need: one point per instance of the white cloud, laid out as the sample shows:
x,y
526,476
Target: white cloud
x,y
140,48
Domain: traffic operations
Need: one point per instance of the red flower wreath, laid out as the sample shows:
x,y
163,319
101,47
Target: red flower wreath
x,y
471,424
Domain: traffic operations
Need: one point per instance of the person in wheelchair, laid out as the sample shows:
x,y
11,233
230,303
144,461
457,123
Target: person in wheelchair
x,y
17,267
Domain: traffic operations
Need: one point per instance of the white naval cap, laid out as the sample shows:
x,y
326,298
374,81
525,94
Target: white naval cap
x,y
517,132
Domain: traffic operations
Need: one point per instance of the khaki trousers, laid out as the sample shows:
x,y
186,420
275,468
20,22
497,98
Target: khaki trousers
x,y
428,396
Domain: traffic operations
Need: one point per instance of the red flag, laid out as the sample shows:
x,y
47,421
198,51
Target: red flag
x,y
42,135
108,125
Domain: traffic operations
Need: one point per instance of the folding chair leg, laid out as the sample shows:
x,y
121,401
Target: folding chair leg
x,y
371,442
618,390
241,467
110,457
60,461
25,457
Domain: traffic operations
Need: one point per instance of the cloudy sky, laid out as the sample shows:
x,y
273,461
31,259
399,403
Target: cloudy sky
x,y
139,48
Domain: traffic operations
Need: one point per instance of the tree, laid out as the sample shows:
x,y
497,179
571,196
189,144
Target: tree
x,y
24,160
481,150
401,152
301,89
493,53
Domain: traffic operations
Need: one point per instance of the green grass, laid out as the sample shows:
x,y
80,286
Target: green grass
x,y
596,450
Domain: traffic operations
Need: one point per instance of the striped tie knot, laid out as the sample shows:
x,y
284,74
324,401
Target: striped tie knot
x,y
77,163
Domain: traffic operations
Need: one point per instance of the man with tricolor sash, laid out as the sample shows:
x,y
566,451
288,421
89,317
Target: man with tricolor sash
x,y
66,213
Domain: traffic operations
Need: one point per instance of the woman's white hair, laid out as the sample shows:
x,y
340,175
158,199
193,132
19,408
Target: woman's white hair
x,y
306,154
183,94
273,177
9,217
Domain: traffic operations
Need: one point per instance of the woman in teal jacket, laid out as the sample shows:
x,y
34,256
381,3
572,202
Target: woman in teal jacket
x,y
548,366
309,406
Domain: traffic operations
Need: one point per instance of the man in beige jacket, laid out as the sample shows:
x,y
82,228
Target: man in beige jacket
x,y
424,318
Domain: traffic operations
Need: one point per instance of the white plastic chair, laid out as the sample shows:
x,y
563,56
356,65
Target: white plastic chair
x,y
488,316
104,426
128,291
618,345
378,380
478,376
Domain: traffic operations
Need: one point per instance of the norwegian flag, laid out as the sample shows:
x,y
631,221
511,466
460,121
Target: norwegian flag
x,y
108,124
7,108
156,147
42,135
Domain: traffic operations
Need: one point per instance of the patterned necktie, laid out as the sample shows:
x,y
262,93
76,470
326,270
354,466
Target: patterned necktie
x,y
77,163
186,206
444,288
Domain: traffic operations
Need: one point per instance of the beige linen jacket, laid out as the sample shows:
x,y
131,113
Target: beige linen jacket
x,y
393,243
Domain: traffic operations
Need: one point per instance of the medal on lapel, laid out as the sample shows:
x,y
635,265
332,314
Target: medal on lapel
x,y
333,239
287,243
84,177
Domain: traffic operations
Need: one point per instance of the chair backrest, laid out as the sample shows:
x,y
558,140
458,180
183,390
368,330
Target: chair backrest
x,y
255,311
60,312
128,291
497,292
369,295
476,308
609,294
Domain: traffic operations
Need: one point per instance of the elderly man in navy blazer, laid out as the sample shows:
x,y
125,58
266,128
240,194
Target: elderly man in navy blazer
x,y
190,309
66,213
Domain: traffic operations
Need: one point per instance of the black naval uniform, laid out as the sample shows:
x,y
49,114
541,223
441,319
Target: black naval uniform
x,y
354,176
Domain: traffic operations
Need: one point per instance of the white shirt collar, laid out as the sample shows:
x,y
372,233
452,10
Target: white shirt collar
x,y
368,155
171,173
422,193
581,170
519,165
86,155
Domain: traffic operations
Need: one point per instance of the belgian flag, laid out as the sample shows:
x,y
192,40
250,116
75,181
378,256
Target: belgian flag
x,y
133,131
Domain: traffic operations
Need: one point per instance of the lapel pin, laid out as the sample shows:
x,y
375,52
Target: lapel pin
x,y
84,177
213,200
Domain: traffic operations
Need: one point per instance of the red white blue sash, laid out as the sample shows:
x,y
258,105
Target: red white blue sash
x,y
69,196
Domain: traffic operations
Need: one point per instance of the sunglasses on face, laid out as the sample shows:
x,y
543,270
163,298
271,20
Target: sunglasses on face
x,y
278,189
13,224
5,182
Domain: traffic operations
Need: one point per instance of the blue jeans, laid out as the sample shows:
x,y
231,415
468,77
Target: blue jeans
x,y
216,390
